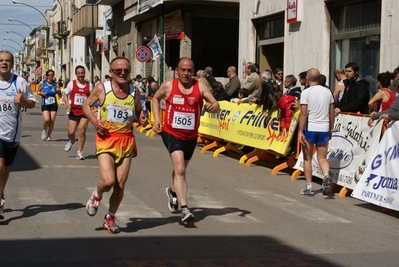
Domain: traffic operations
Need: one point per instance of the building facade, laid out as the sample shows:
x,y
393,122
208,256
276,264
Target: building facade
x,y
300,34
294,35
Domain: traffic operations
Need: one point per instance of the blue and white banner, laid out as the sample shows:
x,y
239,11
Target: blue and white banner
x,y
155,47
379,182
352,144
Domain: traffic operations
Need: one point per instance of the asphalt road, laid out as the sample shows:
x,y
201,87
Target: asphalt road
x,y
244,216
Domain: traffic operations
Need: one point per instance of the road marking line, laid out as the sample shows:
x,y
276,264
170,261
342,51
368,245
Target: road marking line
x,y
293,206
66,166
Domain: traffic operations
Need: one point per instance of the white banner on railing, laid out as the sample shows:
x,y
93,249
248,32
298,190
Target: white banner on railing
x,y
352,144
379,183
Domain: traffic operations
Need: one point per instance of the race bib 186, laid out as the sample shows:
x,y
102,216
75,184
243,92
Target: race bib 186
x,y
7,108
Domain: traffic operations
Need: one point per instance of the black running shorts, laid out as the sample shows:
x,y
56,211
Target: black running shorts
x,y
173,144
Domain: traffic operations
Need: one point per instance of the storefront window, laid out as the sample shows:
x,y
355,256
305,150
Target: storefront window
x,y
356,36
271,28
270,42
365,51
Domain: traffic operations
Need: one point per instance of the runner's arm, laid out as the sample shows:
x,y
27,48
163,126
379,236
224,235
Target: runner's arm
x,y
93,98
161,93
211,105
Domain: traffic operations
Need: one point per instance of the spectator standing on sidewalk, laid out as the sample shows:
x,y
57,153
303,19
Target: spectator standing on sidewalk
x,y
356,93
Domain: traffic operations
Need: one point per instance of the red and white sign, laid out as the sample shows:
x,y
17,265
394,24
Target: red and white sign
x,y
294,11
143,54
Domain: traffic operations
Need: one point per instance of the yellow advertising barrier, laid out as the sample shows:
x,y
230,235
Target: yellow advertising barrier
x,y
246,125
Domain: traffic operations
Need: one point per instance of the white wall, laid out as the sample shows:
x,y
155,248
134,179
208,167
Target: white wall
x,y
389,59
306,43
80,55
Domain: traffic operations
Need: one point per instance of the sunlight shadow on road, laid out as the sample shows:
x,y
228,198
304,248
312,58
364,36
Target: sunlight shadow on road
x,y
34,210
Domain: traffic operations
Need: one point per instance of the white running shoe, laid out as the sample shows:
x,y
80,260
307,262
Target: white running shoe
x,y
186,215
44,135
80,156
68,145
92,204
48,138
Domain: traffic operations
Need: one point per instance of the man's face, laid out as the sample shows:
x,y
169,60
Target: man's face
x,y
247,70
120,70
80,74
228,73
350,73
5,63
185,71
279,75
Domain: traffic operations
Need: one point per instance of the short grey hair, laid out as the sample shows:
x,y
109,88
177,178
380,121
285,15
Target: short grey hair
x,y
267,75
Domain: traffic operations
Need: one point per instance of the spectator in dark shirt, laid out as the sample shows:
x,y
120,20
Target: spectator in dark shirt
x,y
356,93
218,91
209,75
233,85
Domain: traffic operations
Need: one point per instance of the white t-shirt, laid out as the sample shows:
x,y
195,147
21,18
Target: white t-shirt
x,y
10,122
318,99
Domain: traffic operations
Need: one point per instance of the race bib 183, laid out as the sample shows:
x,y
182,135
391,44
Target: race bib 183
x,y
119,113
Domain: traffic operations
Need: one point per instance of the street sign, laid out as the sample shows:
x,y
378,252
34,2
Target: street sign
x,y
143,54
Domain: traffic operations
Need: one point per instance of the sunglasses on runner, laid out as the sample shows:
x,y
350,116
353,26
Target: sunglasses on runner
x,y
119,71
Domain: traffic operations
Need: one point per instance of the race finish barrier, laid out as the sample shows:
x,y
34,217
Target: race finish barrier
x,y
245,125
359,162
136,123
350,149
378,184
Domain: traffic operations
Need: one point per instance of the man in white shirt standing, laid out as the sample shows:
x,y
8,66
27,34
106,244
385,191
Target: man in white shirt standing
x,y
316,123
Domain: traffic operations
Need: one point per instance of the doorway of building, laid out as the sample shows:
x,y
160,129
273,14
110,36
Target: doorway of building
x,y
271,57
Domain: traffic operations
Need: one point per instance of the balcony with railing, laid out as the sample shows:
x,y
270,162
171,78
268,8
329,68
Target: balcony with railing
x,y
82,20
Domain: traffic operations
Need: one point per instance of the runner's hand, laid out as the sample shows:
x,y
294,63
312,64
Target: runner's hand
x,y
157,126
101,130
143,120
19,98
